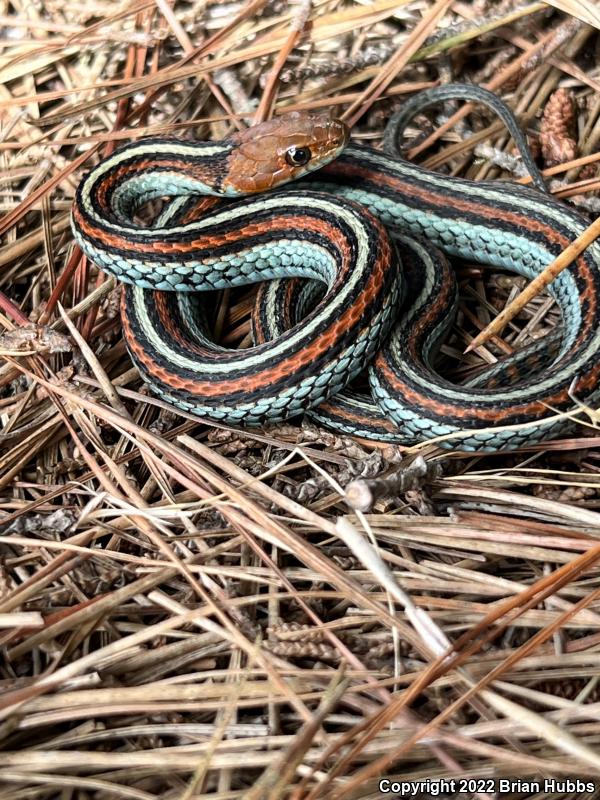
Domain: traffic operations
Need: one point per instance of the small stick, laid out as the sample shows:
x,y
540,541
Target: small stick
x,y
362,494
546,277
12,310
297,26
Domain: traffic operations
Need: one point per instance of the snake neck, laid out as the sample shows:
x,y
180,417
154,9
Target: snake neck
x,y
148,169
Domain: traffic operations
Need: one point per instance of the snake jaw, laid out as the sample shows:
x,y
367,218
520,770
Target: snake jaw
x,y
259,159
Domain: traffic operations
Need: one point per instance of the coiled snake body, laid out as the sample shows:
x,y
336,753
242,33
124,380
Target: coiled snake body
x,y
330,228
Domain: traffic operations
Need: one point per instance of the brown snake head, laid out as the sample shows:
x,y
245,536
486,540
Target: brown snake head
x,y
280,150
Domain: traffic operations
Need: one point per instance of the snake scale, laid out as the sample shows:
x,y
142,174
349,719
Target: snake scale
x,y
373,231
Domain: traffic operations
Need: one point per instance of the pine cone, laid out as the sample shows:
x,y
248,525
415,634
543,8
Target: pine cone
x,y
557,134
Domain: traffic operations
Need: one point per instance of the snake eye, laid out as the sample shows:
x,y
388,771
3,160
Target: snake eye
x,y
298,156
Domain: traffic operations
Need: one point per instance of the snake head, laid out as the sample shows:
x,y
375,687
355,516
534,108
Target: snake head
x,y
280,150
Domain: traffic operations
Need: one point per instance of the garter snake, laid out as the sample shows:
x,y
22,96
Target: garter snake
x,y
329,227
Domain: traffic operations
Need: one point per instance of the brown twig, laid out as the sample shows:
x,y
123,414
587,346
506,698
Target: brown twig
x,y
538,284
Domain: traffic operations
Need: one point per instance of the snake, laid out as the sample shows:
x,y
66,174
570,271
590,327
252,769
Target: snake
x,y
370,234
